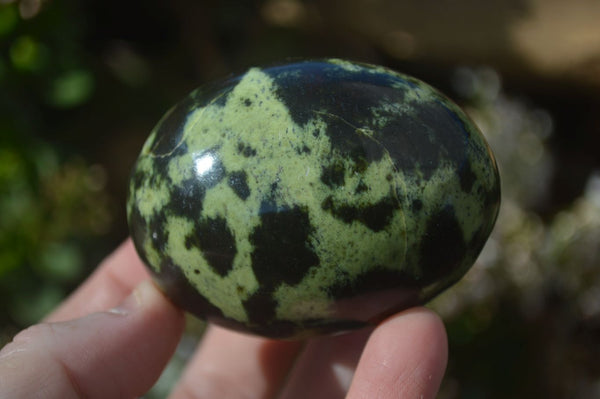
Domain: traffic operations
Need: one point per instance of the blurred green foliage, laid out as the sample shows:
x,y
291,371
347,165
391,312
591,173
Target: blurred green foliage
x,y
52,201
48,208
82,83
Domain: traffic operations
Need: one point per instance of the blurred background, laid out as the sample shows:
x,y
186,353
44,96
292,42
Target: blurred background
x,y
83,82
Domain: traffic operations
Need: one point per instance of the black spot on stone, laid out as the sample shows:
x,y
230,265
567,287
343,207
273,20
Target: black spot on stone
x,y
303,150
261,311
214,93
157,229
375,279
375,216
416,205
278,329
467,177
272,195
182,293
443,248
138,230
328,88
491,206
186,199
333,175
216,242
359,162
138,179
361,188
157,177
479,238
351,143
424,138
249,152
238,181
378,216
181,149
492,196
160,166
328,204
260,307
282,251
268,206
246,150
169,130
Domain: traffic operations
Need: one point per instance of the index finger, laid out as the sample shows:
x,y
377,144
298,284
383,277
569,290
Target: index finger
x,y
110,283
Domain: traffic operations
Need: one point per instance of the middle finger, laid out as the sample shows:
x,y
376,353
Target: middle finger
x,y
325,368
229,364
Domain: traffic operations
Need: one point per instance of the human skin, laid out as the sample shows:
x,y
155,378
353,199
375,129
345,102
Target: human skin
x,y
114,335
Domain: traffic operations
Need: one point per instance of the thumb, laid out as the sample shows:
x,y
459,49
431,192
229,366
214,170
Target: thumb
x,y
115,354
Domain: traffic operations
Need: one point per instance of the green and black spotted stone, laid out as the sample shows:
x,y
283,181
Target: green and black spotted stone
x,y
312,197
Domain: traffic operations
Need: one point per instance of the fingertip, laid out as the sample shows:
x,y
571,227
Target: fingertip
x,y
405,356
419,321
427,325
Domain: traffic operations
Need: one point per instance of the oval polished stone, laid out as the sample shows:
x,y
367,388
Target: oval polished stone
x,y
311,197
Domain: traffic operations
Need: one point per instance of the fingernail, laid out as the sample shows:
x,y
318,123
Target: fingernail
x,y
134,300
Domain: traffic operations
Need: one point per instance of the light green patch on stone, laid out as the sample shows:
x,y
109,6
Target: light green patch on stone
x,y
358,68
386,112
152,199
152,255
300,304
188,260
180,168
347,65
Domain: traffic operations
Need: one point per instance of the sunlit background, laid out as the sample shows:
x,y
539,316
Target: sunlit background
x,y
82,84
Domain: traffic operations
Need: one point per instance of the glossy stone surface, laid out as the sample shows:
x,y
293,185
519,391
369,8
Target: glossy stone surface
x,y
310,198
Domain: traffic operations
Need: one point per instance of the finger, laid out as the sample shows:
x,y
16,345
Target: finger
x,y
404,358
326,366
233,365
114,354
112,281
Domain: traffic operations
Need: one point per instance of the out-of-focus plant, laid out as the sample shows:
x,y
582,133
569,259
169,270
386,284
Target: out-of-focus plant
x,y
51,200
48,209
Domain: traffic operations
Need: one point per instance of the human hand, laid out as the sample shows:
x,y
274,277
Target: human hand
x,y
106,341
